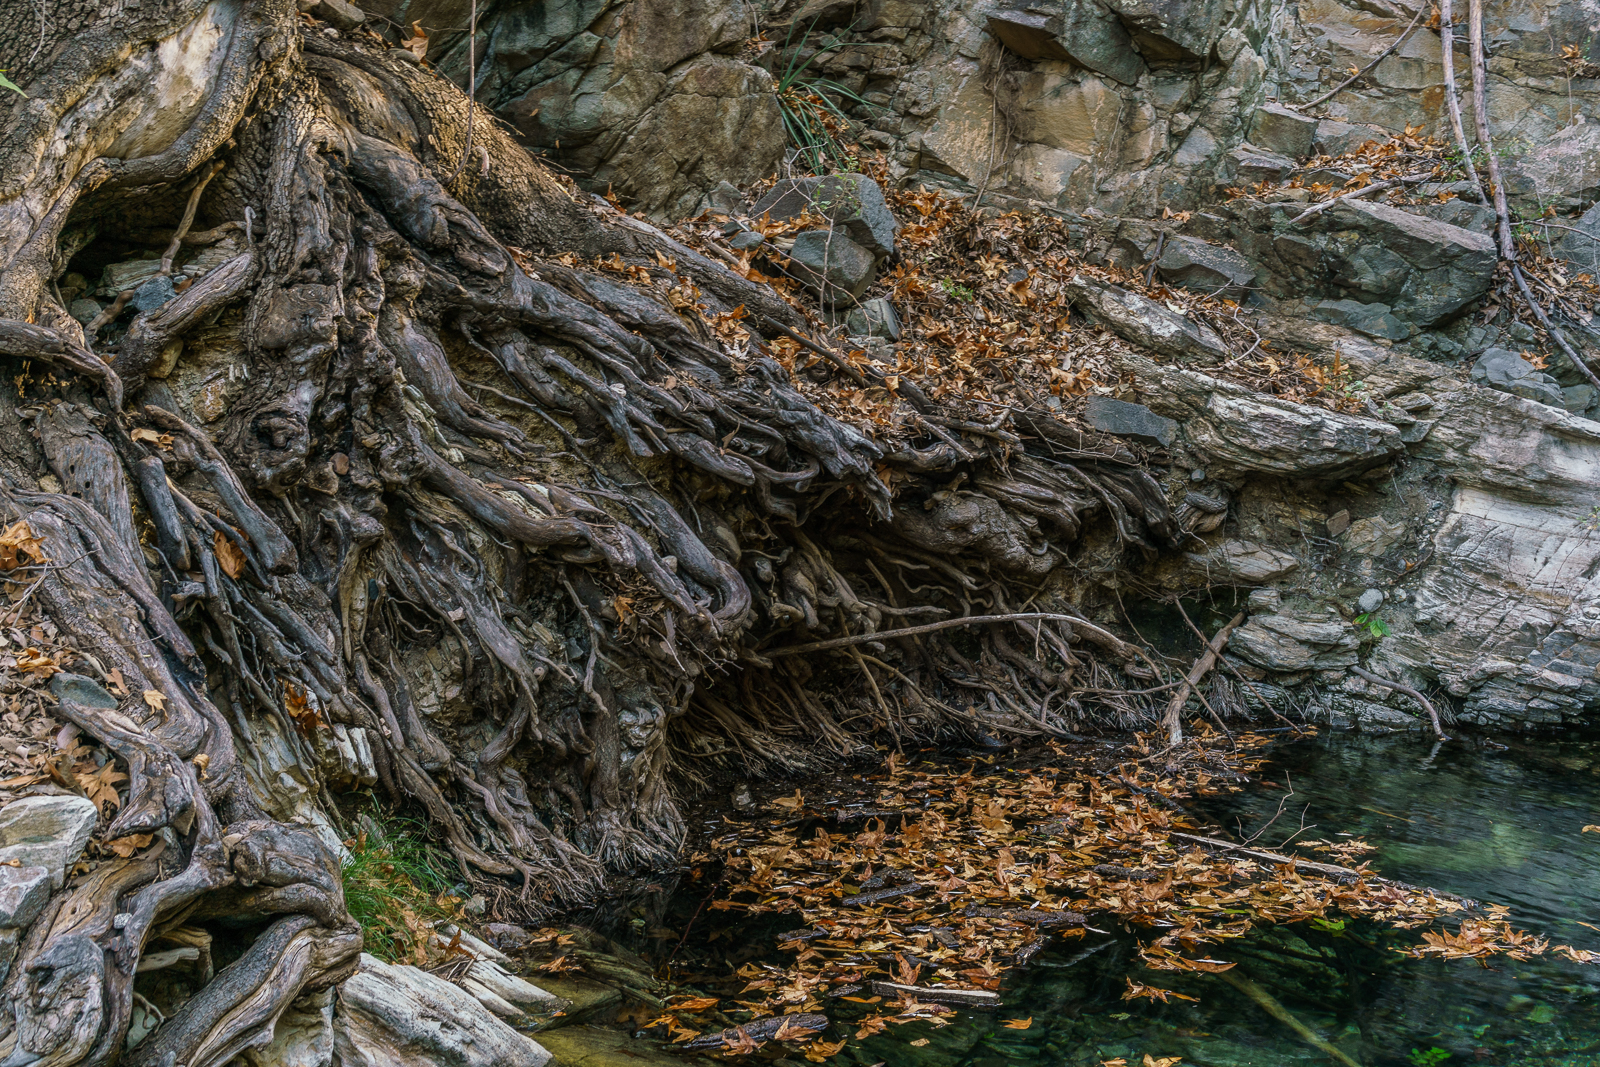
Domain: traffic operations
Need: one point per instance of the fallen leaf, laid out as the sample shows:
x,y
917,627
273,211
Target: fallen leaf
x,y
1165,1061
160,440
1018,1024
417,45
115,681
228,555
155,699
17,543
127,846
919,1042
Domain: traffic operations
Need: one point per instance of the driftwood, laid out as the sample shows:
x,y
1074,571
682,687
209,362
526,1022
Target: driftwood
x,y
1332,870
1172,721
758,1030
1272,1007
1427,705
975,999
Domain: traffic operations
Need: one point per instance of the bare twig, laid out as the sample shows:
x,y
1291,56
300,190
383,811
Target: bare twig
x,y
1388,183
1173,720
1453,99
1551,328
188,216
1433,715
1270,1005
1358,75
1480,114
943,624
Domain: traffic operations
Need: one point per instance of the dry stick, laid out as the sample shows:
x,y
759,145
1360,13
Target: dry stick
x,y
1270,1005
188,216
1173,719
1358,75
1480,115
930,627
1447,39
1433,715
1388,183
472,89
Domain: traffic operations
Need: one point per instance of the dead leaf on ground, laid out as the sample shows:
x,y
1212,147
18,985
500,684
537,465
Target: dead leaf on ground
x,y
156,700
229,557
19,545
417,44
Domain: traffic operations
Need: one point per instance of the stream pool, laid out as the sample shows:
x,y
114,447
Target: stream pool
x,y
1500,824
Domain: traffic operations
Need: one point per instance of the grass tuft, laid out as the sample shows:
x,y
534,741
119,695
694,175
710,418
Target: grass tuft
x,y
396,887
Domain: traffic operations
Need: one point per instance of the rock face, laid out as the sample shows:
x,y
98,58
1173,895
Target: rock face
x,y
1290,643
399,1016
1505,370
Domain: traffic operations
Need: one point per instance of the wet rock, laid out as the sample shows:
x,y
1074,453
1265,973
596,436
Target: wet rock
x,y
1085,34
507,937
1196,264
399,1016
874,318
1244,562
582,998
1145,322
48,832
1242,431
1291,642
832,265
851,202
1129,420
1282,130
1374,320
1505,370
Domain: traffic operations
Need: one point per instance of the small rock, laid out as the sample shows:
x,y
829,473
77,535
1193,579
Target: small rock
x,y
1196,264
742,799
745,240
1264,601
1371,600
129,274
1335,138
832,264
336,13
476,906
1374,320
1505,370
1579,398
507,937
874,318
726,199
23,894
1249,165
1521,332
153,293
853,203
1197,475
48,832
84,310
1129,420
1338,523
1373,537
1146,323
1284,131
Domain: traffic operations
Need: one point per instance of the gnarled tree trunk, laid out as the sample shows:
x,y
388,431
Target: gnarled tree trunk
x,y
385,470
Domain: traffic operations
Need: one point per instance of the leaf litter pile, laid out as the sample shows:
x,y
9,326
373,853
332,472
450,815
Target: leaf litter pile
x,y
921,891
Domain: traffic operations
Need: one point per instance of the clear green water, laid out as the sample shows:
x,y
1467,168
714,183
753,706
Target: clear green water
x,y
1501,825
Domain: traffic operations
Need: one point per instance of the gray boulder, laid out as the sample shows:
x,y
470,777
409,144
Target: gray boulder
x,y
851,202
84,310
1146,323
1579,398
874,318
1290,643
336,13
1335,138
831,264
48,832
24,892
1085,34
1129,420
1282,130
399,1016
1252,165
1374,320
1424,269
1580,245
1505,370
1196,264
1172,29
1463,213
1244,563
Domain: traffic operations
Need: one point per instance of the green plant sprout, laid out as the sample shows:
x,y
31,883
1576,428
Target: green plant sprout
x,y
809,107
1370,622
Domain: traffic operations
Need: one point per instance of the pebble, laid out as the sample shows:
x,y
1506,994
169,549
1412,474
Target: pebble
x,y
1371,600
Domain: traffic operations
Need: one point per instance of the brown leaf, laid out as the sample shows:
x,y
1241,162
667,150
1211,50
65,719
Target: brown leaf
x,y
155,699
228,555
127,846
417,45
115,681
18,544
160,440
1018,1024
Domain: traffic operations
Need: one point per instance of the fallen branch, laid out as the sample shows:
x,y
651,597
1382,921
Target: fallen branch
x,y
1270,1005
1433,715
1173,720
760,1030
1551,328
909,390
1375,187
1358,75
943,624
979,999
1480,114
1332,870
